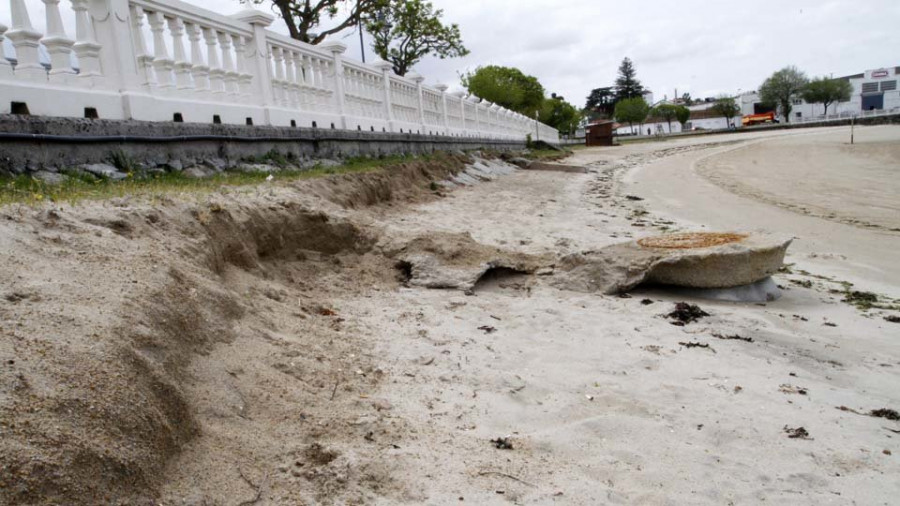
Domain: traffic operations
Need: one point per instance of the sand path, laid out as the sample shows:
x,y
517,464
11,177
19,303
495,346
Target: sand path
x,y
601,402
248,347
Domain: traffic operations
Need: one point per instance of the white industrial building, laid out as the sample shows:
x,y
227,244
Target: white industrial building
x,y
873,90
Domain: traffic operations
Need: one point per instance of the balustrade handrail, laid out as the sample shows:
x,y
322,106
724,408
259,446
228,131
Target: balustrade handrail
x,y
296,45
190,13
201,66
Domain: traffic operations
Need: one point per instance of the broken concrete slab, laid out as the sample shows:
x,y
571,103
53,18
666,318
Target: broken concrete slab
x,y
457,261
478,171
696,260
520,162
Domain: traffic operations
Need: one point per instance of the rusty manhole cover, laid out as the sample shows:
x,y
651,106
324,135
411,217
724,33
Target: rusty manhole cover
x,y
690,240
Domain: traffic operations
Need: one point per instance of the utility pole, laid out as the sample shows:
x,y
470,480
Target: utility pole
x,y
362,47
852,118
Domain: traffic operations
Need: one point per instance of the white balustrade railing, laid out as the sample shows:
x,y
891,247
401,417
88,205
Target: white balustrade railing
x,y
167,60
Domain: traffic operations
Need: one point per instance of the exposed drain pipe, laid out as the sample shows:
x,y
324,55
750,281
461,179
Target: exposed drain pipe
x,y
17,136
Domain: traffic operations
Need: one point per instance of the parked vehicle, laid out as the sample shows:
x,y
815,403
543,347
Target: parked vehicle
x,y
758,119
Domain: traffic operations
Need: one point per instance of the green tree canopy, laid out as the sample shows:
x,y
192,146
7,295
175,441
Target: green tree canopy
x,y
682,114
666,112
726,107
601,101
404,31
632,110
627,84
507,87
303,17
781,88
827,91
559,114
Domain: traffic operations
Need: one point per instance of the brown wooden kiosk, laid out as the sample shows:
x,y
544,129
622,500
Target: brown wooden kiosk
x,y
599,133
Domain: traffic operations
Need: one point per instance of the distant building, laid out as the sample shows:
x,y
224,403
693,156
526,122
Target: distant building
x,y
874,89
702,118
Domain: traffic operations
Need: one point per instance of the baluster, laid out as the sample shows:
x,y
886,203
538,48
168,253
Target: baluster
x,y
162,64
144,58
445,120
308,97
231,77
336,73
244,78
270,71
461,122
348,78
26,41
290,85
387,112
278,62
322,95
199,71
314,72
322,74
368,87
305,71
86,47
361,93
419,102
181,65
6,70
216,74
365,86
363,90
59,47
297,77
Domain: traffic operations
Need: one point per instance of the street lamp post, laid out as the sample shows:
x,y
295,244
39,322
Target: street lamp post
x,y
362,47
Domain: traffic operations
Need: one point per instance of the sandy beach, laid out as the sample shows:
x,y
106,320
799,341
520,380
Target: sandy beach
x,y
297,367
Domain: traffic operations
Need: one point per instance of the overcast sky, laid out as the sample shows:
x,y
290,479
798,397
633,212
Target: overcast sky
x,y
704,47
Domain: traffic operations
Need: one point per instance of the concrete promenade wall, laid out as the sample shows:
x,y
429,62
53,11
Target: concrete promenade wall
x,y
31,143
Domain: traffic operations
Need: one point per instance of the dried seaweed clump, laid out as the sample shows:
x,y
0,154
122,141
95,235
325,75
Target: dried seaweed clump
x,y
691,240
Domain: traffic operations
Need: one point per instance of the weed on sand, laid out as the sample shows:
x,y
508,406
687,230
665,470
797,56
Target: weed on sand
x,y
79,186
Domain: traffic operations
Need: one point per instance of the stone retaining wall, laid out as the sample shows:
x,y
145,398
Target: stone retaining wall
x,y
31,143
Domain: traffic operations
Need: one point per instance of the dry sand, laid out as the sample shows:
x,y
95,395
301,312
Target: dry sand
x,y
259,347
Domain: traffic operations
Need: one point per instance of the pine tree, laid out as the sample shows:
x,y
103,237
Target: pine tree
x,y
627,85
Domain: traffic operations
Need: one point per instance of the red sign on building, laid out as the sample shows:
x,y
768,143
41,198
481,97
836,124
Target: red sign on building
x,y
879,73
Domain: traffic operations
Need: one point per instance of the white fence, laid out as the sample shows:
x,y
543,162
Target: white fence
x,y
847,115
166,60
